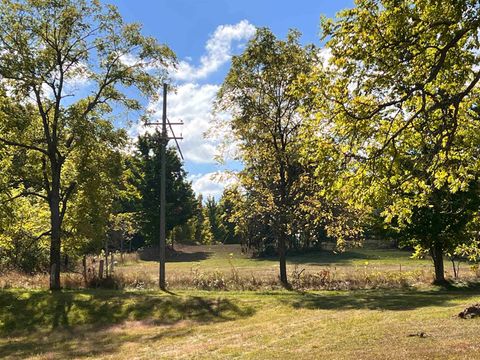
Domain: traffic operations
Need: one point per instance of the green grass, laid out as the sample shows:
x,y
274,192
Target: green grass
x,y
373,324
216,256
225,258
274,324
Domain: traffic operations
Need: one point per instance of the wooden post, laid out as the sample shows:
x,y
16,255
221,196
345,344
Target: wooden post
x,y
163,170
100,269
106,258
84,263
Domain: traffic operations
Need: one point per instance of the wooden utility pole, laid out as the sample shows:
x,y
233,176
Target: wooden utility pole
x,y
163,175
163,170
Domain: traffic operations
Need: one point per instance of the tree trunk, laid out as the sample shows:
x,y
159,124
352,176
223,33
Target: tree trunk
x,y
55,240
437,256
100,269
283,259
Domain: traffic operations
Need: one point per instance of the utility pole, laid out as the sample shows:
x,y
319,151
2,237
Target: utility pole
x,y
163,175
163,170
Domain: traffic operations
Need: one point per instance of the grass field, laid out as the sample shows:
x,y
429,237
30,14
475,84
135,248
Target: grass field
x,y
364,324
217,262
223,257
375,323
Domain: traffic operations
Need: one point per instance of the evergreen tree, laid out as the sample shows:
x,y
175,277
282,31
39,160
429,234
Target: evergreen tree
x,y
181,204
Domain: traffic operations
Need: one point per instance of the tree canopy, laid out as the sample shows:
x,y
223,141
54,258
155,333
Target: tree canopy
x,y
376,132
180,198
402,98
46,47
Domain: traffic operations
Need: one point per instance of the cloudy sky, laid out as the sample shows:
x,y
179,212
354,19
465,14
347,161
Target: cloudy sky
x,y
204,34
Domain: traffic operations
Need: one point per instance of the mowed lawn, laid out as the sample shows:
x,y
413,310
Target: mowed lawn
x,y
362,324
262,324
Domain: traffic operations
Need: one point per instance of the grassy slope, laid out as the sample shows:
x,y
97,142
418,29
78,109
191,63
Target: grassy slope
x,y
246,325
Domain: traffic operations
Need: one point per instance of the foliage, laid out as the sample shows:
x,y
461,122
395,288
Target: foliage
x,y
288,196
200,225
183,234
181,202
46,49
122,228
402,92
229,204
97,171
265,124
23,243
213,214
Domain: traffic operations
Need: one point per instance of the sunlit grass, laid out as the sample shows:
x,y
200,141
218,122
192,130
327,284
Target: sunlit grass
x,y
225,267
262,324
225,259
247,325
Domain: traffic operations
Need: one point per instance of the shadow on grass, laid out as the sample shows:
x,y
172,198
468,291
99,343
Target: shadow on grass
x,y
152,254
396,300
35,320
326,257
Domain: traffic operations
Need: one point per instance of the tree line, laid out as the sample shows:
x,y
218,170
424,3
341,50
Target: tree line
x,y
374,134
69,183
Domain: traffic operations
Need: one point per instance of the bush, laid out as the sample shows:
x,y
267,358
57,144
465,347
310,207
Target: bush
x,y
24,256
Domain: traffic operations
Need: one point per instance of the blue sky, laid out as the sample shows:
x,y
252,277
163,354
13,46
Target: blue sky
x,y
204,34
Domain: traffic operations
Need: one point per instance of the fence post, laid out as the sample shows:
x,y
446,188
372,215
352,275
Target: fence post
x,y
100,269
84,263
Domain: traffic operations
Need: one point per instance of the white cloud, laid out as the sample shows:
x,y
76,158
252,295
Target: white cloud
x,y
325,55
218,51
211,184
191,103
77,78
129,59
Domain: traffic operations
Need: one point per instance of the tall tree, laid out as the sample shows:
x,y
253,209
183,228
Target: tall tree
x,y
265,122
180,198
228,207
200,224
404,97
199,220
214,216
96,168
48,46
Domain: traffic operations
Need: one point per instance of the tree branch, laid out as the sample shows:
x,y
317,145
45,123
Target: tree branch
x,y
25,146
65,198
